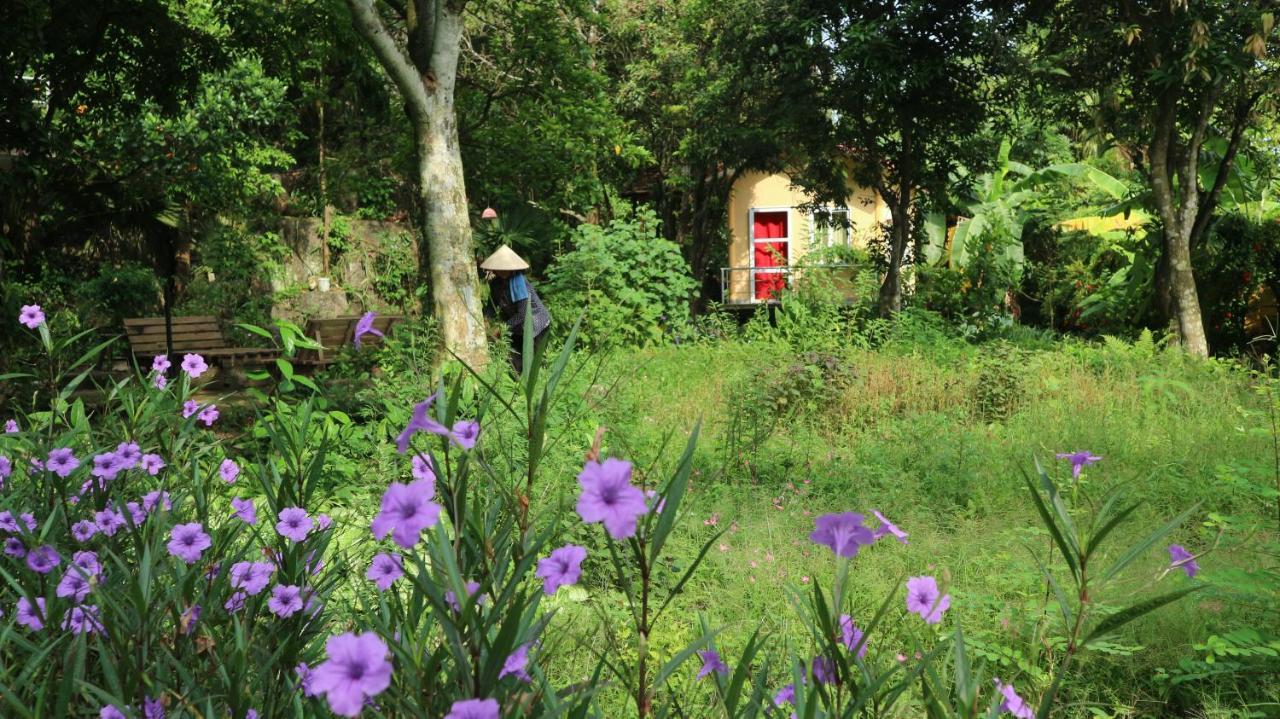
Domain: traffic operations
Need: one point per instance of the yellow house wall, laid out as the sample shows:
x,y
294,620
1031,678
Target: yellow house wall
x,y
761,191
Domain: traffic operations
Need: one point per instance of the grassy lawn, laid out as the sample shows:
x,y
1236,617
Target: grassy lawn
x,y
939,440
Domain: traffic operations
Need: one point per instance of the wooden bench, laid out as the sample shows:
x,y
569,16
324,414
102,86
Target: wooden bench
x,y
332,333
200,335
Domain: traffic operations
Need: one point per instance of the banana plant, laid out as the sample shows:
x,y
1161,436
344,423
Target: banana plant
x,y
1002,203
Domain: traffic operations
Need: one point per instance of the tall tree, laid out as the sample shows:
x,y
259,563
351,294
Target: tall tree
x,y
909,86
1160,78
710,88
425,72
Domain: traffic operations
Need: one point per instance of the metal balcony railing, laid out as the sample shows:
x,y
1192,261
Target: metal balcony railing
x,y
738,284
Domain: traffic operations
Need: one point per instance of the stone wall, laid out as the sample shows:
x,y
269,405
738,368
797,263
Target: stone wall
x,y
364,255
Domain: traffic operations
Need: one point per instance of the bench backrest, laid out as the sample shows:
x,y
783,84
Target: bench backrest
x,y
146,334
334,332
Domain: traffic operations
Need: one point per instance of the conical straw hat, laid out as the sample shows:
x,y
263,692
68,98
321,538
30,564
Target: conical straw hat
x,y
504,258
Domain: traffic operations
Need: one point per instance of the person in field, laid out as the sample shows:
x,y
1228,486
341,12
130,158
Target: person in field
x,y
512,296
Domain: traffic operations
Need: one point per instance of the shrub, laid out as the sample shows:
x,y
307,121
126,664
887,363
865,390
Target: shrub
x,y
632,285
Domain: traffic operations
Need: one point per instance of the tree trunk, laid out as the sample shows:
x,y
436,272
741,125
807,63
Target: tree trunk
x,y
455,284
900,234
426,80
1182,291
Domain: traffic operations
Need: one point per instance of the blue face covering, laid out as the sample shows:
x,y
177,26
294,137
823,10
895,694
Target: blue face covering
x,y
518,288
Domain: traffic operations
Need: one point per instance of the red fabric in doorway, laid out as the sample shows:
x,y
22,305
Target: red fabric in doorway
x,y
769,225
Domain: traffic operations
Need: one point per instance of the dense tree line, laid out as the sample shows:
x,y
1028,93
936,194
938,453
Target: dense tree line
x,y
140,128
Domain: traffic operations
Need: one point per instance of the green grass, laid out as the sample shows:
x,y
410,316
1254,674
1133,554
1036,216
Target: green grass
x,y
938,439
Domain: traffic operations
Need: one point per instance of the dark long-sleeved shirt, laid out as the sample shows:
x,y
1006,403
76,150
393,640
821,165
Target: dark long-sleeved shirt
x,y
513,312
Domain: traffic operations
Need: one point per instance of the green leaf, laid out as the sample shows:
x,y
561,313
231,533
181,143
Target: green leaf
x,y
673,495
1121,618
1146,544
1052,526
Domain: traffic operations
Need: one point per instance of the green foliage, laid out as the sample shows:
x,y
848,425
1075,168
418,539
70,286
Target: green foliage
x,y
633,286
395,278
232,279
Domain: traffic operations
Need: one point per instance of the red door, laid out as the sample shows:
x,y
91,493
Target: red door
x,y
769,238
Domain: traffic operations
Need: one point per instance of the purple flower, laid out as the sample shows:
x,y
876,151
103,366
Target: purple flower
x,y
406,511
189,408
83,530
106,466
62,461
1183,559
209,415
11,426
152,463
43,559
75,583
31,316
824,670
516,664
922,598
87,562
452,599
187,622
160,363
128,454
465,433
244,510
785,695
235,602
711,663
323,522
6,468
1013,703
33,620
655,502
193,365
151,500
294,523
420,421
364,326
306,679
852,636
473,709
357,668
152,708
188,541
109,521
15,548
252,577
1079,460
159,382
136,513
384,570
110,712
229,470
843,533
9,524
285,601
562,568
82,620
423,468
887,527
607,496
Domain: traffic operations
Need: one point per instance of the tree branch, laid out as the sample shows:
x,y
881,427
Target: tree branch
x,y
1189,167
392,59
1209,200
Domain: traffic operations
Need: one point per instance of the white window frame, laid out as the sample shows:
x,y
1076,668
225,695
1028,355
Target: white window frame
x,y
813,226
751,245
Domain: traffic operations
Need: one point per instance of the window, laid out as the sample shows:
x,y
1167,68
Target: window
x,y
831,227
